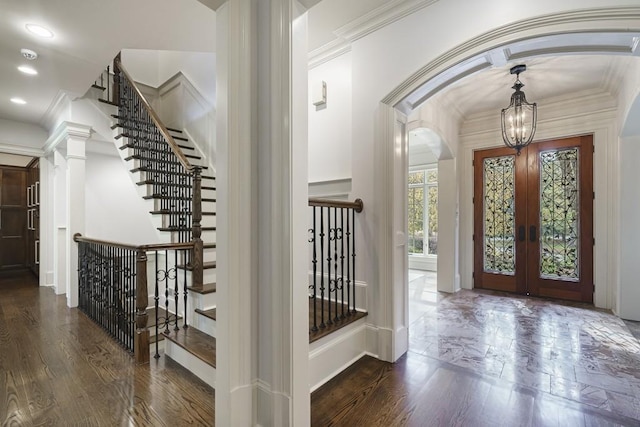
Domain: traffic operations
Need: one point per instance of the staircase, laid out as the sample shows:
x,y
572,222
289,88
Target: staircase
x,y
172,177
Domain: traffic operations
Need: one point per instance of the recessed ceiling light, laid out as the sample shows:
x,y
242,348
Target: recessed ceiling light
x,y
39,30
18,101
27,70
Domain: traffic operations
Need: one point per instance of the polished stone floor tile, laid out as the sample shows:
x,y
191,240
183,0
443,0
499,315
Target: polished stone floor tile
x,y
568,351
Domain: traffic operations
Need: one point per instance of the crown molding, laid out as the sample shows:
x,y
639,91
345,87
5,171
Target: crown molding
x,y
328,52
378,18
571,106
517,31
19,150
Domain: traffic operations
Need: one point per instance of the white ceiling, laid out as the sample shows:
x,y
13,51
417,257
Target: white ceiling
x,y
545,77
87,35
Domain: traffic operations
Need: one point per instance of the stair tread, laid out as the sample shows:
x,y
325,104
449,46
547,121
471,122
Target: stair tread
x,y
104,101
209,246
162,313
198,343
207,288
146,169
210,313
170,184
173,162
174,130
160,196
161,212
155,150
185,228
205,266
97,86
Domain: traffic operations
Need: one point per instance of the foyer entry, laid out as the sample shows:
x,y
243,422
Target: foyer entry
x,y
533,219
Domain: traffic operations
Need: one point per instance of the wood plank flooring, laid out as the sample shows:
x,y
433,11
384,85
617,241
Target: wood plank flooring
x,y
58,368
491,359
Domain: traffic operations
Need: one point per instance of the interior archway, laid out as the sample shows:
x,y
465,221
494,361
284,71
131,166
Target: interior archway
x,y
570,34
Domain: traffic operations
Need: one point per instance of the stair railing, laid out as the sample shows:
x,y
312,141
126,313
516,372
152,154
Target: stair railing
x,y
113,289
176,183
332,287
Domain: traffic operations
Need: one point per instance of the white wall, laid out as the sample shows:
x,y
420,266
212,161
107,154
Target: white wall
x,y
155,67
628,297
21,138
114,209
629,293
382,63
330,130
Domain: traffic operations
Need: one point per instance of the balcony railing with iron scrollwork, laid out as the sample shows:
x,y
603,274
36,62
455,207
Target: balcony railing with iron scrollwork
x,y
332,237
113,288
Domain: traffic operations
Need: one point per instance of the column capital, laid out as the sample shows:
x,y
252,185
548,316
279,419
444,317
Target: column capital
x,y
64,132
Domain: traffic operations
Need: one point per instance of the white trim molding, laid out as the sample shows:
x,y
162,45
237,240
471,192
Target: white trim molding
x,y
390,157
63,132
386,14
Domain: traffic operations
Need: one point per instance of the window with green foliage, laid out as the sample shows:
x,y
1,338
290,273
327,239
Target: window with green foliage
x,y
423,212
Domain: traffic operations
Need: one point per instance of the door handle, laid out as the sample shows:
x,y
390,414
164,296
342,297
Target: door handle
x,y
521,233
532,233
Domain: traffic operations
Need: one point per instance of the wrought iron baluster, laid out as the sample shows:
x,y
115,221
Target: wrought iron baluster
x,y
156,303
342,262
322,324
353,256
176,293
328,260
314,261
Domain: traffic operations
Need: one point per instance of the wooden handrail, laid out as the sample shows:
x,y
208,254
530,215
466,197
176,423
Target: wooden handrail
x,y
154,116
356,205
149,247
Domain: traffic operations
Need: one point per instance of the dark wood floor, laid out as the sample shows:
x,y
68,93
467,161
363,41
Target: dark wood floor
x,y
490,359
58,368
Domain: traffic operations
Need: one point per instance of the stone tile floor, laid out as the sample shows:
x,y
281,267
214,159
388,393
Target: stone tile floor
x,y
566,350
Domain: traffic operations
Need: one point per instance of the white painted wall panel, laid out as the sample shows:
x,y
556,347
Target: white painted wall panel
x,y
330,130
114,209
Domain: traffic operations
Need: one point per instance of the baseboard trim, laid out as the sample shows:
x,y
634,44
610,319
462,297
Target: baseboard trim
x,y
334,353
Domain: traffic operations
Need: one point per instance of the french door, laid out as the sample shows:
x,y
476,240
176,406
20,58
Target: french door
x,y
533,219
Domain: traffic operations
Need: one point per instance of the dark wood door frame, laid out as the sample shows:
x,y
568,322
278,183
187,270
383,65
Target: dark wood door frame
x,y
527,278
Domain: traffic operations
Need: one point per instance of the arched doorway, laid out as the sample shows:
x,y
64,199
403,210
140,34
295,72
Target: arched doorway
x,y
468,59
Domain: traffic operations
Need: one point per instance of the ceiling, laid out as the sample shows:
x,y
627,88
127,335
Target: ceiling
x,y
87,35
545,78
73,57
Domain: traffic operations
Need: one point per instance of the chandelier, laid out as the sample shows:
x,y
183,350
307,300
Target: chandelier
x,y
519,118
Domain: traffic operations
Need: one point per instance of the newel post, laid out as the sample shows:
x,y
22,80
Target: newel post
x,y
198,251
115,96
141,340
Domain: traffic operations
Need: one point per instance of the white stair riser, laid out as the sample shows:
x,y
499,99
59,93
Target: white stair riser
x,y
201,301
147,190
208,236
209,255
207,220
203,323
200,369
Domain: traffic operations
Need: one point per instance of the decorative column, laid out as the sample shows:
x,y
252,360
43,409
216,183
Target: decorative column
x,y
67,143
262,333
76,137
59,221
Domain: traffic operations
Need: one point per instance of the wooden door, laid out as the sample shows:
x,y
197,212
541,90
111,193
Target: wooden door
x,y
13,216
533,227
